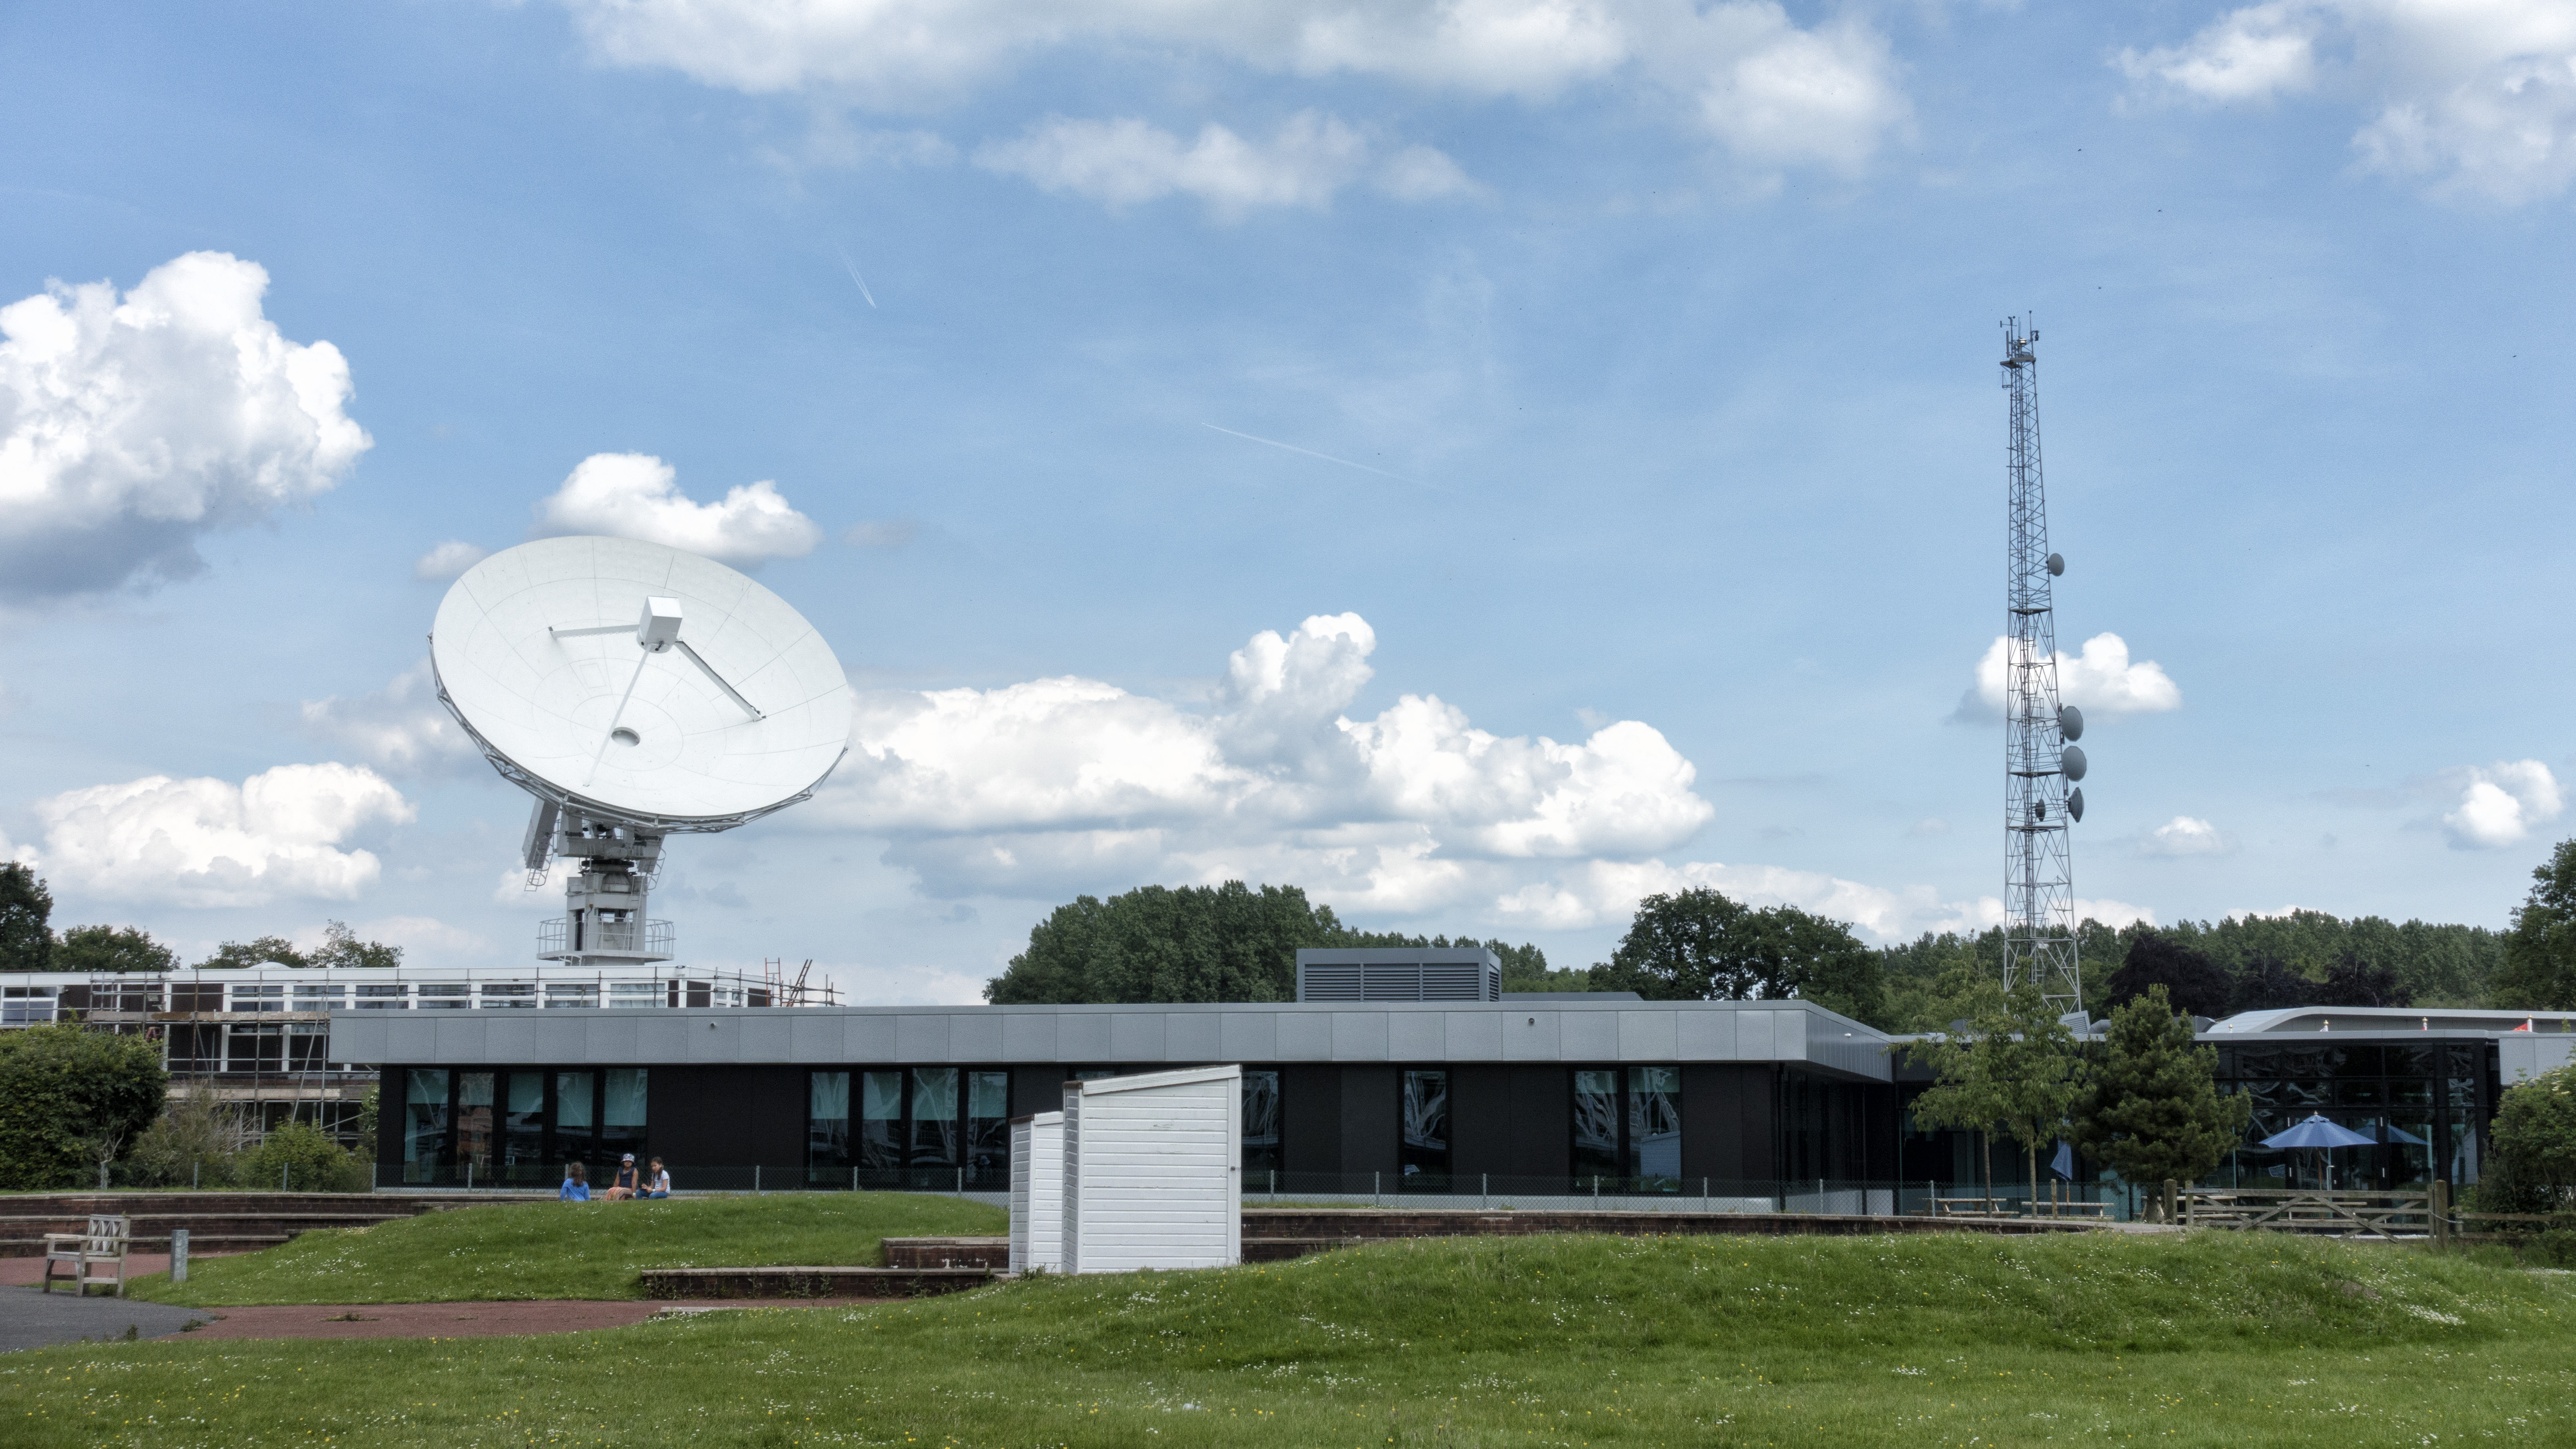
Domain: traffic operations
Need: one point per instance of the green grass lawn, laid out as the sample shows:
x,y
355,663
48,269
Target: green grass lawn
x,y
2213,1339
568,1250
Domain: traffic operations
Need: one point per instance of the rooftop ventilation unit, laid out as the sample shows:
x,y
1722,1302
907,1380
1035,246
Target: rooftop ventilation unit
x,y
1400,973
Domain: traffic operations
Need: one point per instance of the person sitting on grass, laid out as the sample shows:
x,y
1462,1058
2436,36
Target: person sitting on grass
x,y
657,1183
625,1184
576,1184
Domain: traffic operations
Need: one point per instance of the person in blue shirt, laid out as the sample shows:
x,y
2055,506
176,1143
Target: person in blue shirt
x,y
576,1184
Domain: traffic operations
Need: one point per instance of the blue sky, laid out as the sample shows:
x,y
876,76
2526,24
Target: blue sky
x,y
1655,345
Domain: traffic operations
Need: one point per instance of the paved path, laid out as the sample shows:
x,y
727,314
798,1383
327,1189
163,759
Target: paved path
x,y
30,1319
467,1320
32,1270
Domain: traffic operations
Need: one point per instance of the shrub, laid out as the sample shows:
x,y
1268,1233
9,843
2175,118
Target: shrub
x,y
305,1159
70,1098
193,1145
2534,1170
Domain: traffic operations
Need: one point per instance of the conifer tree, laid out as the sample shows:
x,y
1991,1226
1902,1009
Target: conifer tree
x,y
2152,1110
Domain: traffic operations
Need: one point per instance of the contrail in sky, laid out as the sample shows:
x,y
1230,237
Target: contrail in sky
x,y
1311,453
854,274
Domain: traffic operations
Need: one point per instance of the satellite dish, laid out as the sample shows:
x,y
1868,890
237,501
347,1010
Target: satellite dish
x,y
2075,805
2071,763
2056,564
2070,723
636,691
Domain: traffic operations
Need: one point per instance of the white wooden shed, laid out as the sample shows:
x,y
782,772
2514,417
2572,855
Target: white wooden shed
x,y
1037,1192
1153,1171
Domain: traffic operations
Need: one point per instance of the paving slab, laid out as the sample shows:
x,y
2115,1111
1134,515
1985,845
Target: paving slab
x,y
32,1319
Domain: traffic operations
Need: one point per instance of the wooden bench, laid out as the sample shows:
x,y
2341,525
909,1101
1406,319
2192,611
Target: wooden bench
x,y
105,1244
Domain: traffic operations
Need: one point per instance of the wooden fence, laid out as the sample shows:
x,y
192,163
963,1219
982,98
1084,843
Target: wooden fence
x,y
2418,1214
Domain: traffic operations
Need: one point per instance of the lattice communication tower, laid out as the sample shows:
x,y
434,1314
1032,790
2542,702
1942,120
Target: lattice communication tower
x,y
2041,760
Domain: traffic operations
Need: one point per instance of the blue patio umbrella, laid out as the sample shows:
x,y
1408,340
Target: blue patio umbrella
x,y
2317,1132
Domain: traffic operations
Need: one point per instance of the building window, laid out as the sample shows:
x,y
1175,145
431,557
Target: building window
x,y
444,996
575,1122
259,998
259,1048
424,1124
523,1129
308,1046
1422,1152
26,1005
988,1128
382,997
571,993
915,1128
621,1115
827,1127
196,1049
934,1117
474,1122
319,996
509,994
1654,1155
1261,1164
1596,1126
1628,1128
881,1121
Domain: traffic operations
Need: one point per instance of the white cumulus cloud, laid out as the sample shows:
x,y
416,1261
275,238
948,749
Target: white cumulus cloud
x,y
1606,892
2101,680
2477,95
207,842
1027,788
2185,835
130,425
447,560
1769,90
2500,803
1127,162
633,495
401,728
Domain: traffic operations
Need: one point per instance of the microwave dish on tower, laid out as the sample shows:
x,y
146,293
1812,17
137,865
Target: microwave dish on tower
x,y
637,692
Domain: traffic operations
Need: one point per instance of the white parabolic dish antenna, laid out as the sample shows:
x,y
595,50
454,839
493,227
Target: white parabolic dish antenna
x,y
637,692
627,681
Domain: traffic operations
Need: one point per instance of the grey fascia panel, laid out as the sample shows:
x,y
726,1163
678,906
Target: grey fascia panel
x,y
1649,1036
1574,1031
1417,1036
974,1036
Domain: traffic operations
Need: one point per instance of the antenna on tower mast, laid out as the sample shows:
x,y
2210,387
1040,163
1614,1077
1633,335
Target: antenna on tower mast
x,y
2041,764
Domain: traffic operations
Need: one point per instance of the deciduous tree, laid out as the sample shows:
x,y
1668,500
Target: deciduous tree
x,y
2540,953
1700,945
2016,1070
111,948
26,910
2190,979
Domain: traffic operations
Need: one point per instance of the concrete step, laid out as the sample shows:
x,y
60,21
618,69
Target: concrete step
x,y
948,1252
824,1282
